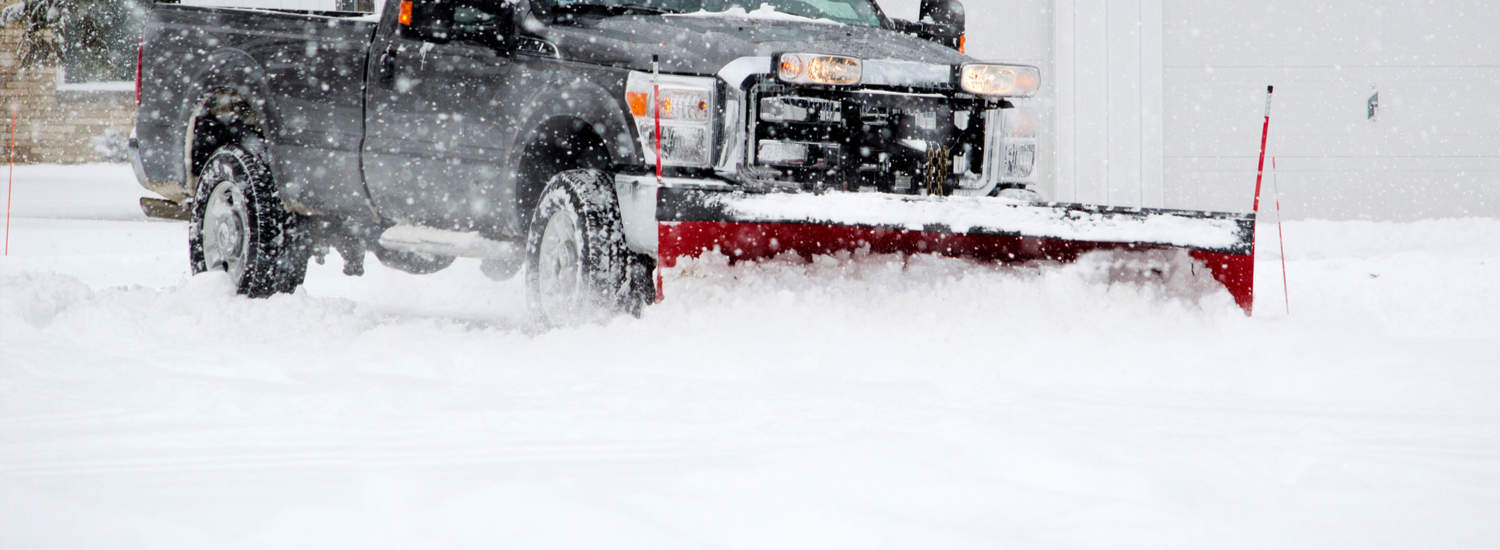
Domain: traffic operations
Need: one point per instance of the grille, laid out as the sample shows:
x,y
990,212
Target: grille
x,y
867,140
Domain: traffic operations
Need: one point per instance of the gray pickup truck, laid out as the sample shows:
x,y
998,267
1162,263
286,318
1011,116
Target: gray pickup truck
x,y
543,133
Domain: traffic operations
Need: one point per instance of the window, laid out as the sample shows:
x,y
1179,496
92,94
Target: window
x,y
849,12
99,46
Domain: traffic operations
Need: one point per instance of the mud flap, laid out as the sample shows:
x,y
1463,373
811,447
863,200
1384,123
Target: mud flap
x,y
747,226
163,209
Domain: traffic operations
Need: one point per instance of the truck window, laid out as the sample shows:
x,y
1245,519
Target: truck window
x,y
849,12
463,15
472,15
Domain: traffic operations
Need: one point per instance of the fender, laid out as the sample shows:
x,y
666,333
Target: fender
x,y
226,71
587,103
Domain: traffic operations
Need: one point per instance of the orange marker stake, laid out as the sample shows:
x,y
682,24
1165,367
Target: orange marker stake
x,y
1281,239
10,183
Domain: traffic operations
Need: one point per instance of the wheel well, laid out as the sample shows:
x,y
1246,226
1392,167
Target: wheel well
x,y
223,117
560,144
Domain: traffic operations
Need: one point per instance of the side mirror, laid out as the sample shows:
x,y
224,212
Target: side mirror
x,y
429,32
943,21
427,21
487,22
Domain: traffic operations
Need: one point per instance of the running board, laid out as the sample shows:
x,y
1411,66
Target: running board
x,y
439,242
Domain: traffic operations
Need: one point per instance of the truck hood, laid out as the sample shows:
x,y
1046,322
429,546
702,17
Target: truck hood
x,y
701,45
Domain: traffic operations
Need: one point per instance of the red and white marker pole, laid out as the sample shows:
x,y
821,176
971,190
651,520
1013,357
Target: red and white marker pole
x,y
656,110
656,114
1265,132
10,183
1260,169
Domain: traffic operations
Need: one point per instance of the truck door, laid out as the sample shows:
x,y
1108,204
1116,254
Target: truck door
x,y
438,75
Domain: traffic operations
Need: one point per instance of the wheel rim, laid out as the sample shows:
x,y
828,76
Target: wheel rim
x,y
226,230
559,268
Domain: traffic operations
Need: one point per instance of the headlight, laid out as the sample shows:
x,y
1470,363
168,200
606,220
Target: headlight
x,y
687,106
1000,80
832,70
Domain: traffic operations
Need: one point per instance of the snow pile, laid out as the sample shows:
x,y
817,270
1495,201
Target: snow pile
x,y
984,215
851,402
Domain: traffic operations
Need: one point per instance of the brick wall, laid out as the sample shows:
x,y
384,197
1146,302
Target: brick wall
x,y
60,126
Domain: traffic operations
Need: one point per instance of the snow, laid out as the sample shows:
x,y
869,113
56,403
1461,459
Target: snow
x,y
984,215
896,72
855,402
765,12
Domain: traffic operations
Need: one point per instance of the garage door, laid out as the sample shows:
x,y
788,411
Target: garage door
x,y
1384,110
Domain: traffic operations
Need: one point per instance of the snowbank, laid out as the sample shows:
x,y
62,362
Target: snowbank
x,y
859,402
981,215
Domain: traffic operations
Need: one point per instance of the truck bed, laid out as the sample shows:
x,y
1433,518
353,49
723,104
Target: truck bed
x,y
304,70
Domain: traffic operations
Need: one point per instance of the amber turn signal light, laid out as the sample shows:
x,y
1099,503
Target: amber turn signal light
x,y
639,102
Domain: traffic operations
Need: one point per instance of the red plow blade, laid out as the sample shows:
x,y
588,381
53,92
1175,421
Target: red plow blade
x,y
746,226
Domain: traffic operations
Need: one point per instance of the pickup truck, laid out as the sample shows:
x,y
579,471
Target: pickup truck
x,y
539,134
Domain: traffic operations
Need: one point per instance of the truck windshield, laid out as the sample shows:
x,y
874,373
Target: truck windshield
x,y
849,12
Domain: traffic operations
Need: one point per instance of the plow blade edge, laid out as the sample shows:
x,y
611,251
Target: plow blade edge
x,y
746,226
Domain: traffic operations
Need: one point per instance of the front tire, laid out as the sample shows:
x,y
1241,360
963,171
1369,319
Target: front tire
x,y
578,268
238,225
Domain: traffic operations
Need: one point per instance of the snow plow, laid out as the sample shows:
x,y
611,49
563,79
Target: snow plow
x,y
601,140
745,226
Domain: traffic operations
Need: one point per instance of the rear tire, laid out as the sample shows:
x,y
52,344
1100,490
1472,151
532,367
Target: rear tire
x,y
578,268
237,224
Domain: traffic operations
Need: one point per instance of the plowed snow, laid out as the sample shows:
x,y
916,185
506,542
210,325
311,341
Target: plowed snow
x,y
854,402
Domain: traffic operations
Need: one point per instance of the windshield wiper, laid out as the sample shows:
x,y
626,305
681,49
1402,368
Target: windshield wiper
x,y
587,8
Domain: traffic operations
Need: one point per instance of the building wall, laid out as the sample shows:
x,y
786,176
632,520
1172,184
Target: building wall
x,y
1430,149
1107,90
73,125
1160,102
1147,102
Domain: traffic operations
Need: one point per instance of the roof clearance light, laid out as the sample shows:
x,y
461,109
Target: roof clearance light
x,y
828,70
1000,80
